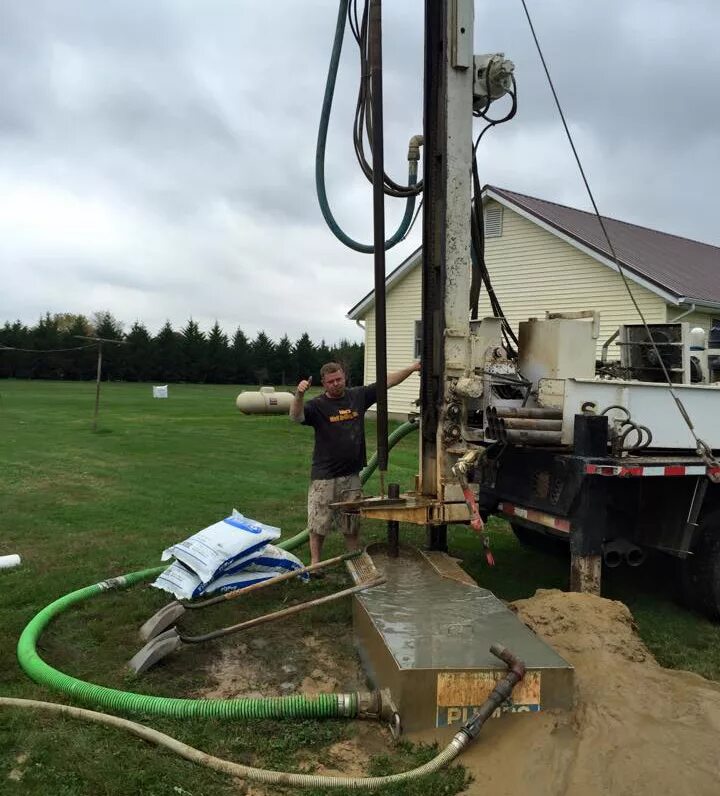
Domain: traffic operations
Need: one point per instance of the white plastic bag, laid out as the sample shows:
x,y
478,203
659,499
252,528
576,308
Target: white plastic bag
x,y
269,559
214,550
186,585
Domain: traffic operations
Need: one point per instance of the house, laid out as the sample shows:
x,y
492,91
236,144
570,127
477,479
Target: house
x,y
545,256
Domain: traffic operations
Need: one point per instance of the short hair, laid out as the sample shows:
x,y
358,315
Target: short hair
x,y
330,367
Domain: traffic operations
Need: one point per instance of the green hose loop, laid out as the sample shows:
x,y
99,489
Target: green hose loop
x,y
321,706
320,154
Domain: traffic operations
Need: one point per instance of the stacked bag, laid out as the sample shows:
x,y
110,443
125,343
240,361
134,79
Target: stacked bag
x,y
228,555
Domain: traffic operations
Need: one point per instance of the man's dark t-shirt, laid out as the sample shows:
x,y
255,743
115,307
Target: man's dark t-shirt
x,y
339,425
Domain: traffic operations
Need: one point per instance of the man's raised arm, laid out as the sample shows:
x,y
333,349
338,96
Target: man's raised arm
x,y
297,408
399,376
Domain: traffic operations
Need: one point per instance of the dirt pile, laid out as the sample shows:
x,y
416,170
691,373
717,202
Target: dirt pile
x,y
636,728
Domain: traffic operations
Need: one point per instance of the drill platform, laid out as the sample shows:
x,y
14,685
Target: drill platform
x,y
426,633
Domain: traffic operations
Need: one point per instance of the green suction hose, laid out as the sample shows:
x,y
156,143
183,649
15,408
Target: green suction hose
x,y
320,706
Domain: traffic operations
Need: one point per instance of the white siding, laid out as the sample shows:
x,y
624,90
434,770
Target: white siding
x,y
402,310
532,271
702,319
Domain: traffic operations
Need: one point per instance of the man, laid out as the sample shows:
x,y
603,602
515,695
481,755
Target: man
x,y
338,419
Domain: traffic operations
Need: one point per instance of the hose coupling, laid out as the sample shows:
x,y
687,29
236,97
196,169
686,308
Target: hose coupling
x,y
460,740
414,147
377,705
514,664
345,704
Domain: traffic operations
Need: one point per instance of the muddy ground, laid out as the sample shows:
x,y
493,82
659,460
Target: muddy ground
x,y
636,728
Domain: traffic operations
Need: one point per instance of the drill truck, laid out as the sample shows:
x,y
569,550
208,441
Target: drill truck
x,y
615,459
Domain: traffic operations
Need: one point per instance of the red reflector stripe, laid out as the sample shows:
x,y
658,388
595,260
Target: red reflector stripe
x,y
538,517
667,470
631,471
675,470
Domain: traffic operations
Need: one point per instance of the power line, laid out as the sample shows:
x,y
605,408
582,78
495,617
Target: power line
x,y
46,350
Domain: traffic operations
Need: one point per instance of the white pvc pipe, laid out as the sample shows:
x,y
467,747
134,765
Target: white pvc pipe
x,y
7,562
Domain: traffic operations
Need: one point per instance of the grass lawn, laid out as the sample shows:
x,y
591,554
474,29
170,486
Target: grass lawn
x,y
81,506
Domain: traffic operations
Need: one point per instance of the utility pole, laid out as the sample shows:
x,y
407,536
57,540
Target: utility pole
x,y
98,378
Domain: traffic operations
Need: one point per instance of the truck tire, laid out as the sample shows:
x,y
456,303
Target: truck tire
x,y
701,571
537,540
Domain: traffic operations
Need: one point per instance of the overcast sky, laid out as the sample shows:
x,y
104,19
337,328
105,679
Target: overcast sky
x,y
157,156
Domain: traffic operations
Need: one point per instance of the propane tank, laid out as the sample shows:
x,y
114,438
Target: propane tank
x,y
264,402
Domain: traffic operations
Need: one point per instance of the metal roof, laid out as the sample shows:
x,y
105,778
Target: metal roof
x,y
683,267
679,269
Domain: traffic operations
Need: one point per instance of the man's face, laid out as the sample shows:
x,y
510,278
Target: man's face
x,y
334,383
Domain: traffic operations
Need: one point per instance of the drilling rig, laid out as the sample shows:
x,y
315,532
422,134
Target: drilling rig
x,y
525,426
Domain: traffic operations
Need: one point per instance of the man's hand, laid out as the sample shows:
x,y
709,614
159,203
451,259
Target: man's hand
x,y
304,386
297,410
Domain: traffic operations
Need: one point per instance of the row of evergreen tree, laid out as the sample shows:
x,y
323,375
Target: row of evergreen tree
x,y
188,355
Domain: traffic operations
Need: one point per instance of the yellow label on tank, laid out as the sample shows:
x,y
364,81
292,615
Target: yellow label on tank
x,y
459,694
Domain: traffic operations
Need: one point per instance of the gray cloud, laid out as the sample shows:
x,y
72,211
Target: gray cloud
x,y
157,158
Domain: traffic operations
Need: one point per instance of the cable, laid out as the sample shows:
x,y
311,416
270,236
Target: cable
x,y
480,273
702,448
46,350
362,125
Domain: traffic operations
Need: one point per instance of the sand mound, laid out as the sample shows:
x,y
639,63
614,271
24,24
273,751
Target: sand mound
x,y
636,729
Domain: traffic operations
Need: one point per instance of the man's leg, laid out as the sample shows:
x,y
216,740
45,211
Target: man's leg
x,y
320,516
350,523
316,546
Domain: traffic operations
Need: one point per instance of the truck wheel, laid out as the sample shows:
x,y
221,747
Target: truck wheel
x,y
537,540
701,571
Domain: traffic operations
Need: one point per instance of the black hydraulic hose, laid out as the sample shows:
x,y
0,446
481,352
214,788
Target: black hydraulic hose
x,y
363,112
320,154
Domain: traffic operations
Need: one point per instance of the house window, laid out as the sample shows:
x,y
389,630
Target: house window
x,y
714,336
493,222
418,340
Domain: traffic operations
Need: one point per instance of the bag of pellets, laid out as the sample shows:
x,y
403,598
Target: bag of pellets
x,y
269,559
184,584
214,550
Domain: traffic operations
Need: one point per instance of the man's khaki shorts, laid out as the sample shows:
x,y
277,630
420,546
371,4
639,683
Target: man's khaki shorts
x,y
322,493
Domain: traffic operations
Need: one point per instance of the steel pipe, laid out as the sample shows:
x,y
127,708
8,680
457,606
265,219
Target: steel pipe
x,y
531,423
378,163
525,411
534,437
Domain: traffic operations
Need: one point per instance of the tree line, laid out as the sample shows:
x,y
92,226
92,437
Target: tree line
x,y
52,349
